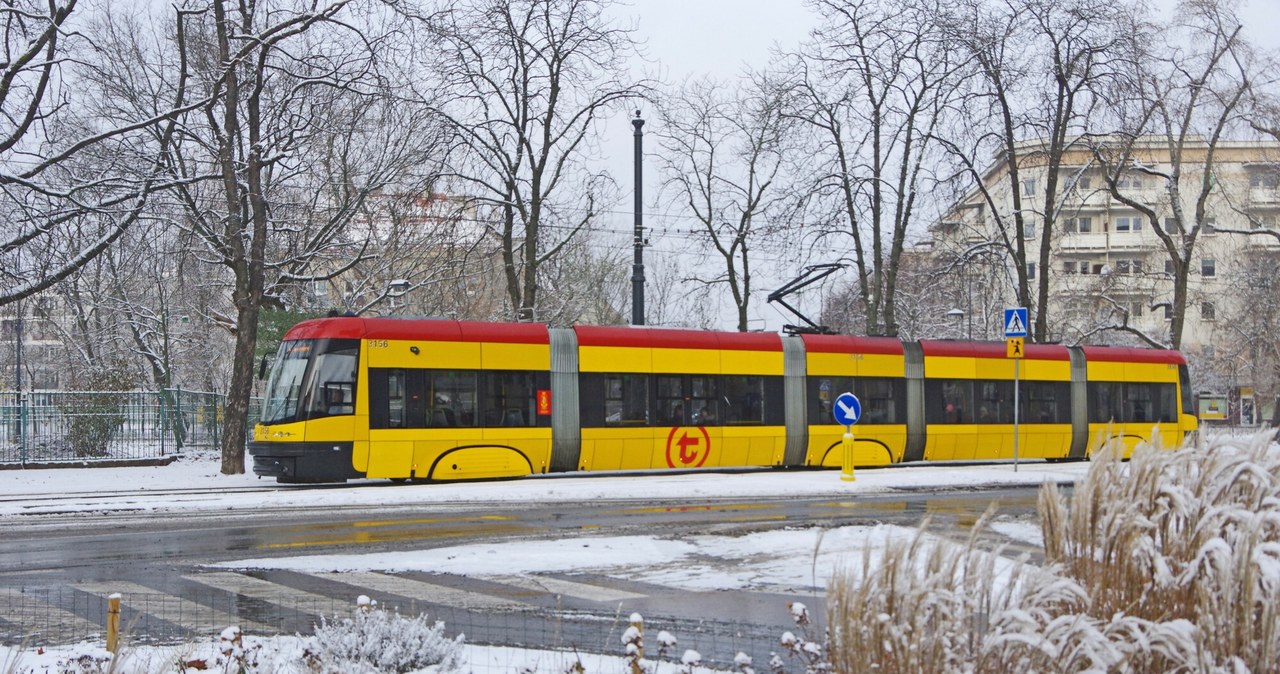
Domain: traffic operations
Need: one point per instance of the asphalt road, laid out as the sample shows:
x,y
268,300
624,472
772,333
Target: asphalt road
x,y
55,570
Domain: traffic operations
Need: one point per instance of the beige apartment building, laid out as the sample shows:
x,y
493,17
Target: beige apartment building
x,y
1110,274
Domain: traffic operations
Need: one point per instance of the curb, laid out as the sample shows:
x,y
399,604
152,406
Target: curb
x,y
87,463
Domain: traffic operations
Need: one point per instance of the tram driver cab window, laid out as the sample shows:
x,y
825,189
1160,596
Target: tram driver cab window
x,y
333,379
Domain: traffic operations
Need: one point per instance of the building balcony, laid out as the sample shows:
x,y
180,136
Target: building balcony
x,y
1132,241
1263,242
1094,241
1264,196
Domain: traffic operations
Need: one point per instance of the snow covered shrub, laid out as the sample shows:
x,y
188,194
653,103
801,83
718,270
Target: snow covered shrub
x,y
633,644
1189,539
1170,562
919,608
810,652
377,641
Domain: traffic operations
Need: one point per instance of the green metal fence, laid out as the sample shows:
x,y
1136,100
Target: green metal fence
x,y
41,426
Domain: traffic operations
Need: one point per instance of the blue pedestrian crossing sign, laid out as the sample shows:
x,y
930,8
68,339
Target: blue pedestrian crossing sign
x,y
1015,322
846,409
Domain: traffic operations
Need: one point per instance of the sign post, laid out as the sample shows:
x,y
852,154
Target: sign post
x,y
847,410
1015,334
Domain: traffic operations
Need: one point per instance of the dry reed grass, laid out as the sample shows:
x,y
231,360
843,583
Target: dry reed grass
x,y
1169,562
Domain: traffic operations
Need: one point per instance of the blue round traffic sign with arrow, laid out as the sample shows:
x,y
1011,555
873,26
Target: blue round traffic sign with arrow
x,y
846,409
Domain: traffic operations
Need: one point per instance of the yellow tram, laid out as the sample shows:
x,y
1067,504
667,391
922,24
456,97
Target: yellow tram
x,y
352,397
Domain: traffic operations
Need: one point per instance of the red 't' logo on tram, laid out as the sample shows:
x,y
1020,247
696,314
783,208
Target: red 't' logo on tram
x,y
688,447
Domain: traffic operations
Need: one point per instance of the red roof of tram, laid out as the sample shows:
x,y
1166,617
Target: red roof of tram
x,y
1120,354
590,335
961,349
355,327
849,344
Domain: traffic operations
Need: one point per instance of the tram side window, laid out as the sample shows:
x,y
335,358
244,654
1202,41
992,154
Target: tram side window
x,y
1166,403
1132,402
743,399
687,400
671,401
1138,403
393,412
396,398
626,399
1105,402
995,401
948,401
1045,402
883,399
452,399
822,394
704,399
511,399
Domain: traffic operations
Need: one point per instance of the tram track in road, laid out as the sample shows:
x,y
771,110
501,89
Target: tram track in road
x,y
174,491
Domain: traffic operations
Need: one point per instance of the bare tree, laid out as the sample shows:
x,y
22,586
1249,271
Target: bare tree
x,y
1039,101
1177,105
298,130
722,151
1247,347
873,86
525,84
75,174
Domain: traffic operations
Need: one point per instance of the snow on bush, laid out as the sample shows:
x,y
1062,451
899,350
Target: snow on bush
x,y
375,640
1188,540
1168,562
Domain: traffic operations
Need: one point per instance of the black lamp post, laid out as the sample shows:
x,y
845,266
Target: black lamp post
x,y
637,269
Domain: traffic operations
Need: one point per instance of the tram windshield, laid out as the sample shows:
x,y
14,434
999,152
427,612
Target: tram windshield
x,y
312,378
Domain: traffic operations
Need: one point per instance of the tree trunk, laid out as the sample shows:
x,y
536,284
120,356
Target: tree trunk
x,y
236,417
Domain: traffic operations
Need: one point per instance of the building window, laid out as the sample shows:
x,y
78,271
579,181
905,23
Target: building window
x,y
1135,308
1069,267
1210,226
1029,187
1031,270
1168,311
1082,225
1128,266
1130,223
1208,267
1268,180
1171,225
1028,229
1168,267
1207,311
1129,182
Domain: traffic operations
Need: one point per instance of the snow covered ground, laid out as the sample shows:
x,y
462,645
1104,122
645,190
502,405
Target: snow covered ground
x,y
159,489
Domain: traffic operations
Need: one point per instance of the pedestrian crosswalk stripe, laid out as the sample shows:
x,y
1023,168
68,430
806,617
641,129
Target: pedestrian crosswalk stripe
x,y
40,623
171,608
566,588
38,617
256,588
422,591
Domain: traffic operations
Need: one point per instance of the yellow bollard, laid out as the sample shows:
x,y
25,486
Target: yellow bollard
x,y
846,444
113,622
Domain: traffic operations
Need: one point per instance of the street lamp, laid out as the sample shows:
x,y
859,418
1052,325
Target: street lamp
x,y
957,314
